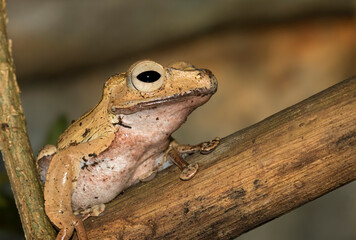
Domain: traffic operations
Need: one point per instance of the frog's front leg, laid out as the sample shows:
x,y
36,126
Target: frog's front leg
x,y
60,181
175,152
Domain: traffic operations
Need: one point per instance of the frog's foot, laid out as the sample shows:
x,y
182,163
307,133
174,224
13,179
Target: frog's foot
x,y
92,211
176,153
188,170
208,147
203,148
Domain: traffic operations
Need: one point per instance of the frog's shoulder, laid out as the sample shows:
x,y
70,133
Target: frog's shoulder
x,y
96,123
89,127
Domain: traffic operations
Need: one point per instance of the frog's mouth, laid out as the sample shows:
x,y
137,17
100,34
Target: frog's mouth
x,y
199,93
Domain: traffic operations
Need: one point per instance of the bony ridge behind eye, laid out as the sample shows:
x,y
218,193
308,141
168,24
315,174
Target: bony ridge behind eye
x,y
146,76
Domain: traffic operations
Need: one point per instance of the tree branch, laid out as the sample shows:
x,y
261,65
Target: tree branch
x,y
16,148
255,175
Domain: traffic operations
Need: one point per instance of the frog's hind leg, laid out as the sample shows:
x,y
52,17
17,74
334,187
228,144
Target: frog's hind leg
x,y
176,151
58,194
67,232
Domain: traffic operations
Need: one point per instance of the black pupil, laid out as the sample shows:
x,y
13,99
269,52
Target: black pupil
x,y
149,76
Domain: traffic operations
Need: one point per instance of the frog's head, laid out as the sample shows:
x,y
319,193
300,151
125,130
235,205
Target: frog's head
x,y
148,85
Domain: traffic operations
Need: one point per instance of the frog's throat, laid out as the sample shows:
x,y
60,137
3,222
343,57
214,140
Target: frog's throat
x,y
158,102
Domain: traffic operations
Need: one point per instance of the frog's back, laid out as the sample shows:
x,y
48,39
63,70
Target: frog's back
x,y
95,123
90,126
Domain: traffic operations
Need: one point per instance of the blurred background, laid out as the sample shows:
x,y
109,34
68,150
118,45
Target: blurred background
x,y
266,56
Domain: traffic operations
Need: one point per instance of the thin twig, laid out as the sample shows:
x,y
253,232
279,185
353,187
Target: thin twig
x,y
16,148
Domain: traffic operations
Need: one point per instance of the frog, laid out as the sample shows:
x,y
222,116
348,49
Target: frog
x,y
125,139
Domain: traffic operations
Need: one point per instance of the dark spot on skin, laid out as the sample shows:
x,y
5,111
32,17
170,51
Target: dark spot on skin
x,y
96,197
301,125
253,141
73,143
84,159
122,124
80,124
157,118
92,155
4,126
85,166
87,131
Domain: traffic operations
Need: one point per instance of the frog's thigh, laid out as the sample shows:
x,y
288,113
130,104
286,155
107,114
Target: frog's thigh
x,y
57,193
65,233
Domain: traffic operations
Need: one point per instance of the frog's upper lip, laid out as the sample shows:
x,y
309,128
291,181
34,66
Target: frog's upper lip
x,y
200,92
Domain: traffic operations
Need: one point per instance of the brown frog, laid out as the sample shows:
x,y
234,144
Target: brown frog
x,y
124,139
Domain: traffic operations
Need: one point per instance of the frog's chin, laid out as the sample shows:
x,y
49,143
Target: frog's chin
x,y
204,94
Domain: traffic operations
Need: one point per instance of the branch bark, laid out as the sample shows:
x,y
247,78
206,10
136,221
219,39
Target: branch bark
x,y
15,146
255,175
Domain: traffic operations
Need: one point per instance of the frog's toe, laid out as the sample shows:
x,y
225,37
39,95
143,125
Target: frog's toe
x,y
189,171
210,146
92,211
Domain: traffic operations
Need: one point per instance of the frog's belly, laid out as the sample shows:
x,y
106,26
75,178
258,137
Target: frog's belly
x,y
102,181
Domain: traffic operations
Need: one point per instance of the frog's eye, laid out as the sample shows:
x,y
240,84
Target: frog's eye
x,y
146,76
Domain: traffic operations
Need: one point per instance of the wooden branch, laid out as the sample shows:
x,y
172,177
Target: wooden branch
x,y
16,148
255,175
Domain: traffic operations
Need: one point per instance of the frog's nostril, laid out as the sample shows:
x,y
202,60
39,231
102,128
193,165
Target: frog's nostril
x,y
148,76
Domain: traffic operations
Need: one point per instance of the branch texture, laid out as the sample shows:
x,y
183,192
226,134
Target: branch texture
x,y
254,176
15,146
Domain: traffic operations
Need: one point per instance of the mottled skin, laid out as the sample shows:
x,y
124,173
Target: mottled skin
x,y
124,139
